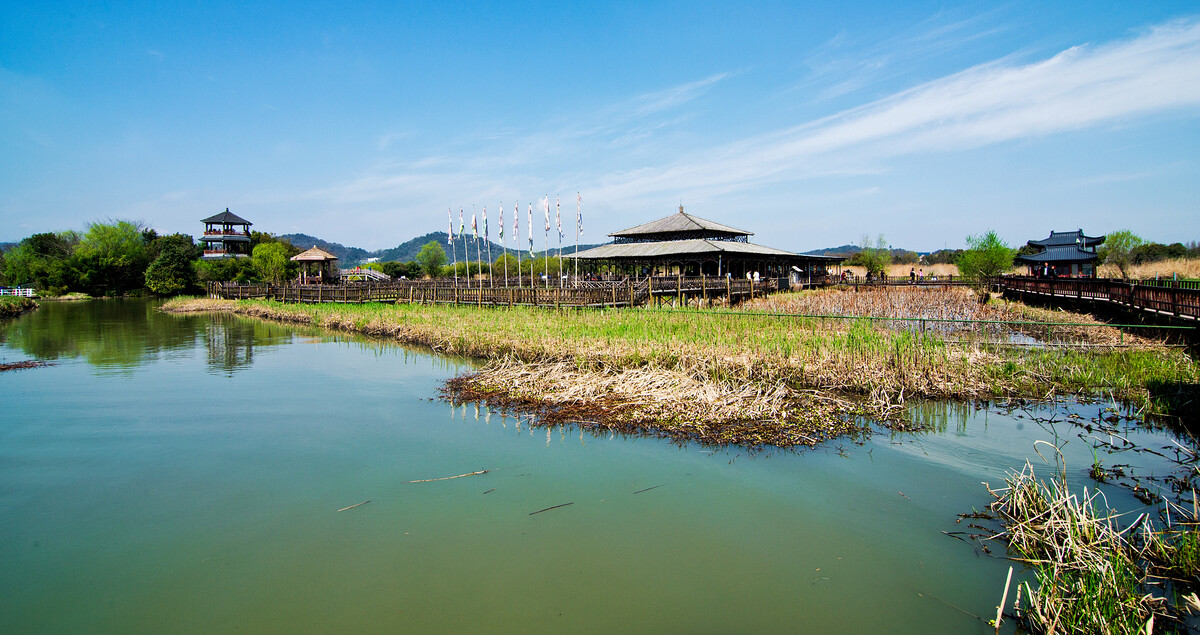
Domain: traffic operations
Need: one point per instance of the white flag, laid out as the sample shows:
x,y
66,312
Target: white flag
x,y
578,214
558,216
450,226
501,222
546,207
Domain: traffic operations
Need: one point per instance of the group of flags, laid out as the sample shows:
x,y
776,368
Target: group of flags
x,y
544,203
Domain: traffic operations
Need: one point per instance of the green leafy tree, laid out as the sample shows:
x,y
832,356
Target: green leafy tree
x,y
42,261
1118,250
225,270
110,258
173,268
270,260
432,258
986,257
875,259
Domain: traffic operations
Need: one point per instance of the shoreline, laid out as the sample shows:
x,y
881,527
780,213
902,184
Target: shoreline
x,y
722,379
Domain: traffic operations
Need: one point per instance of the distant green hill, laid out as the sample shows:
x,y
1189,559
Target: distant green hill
x,y
346,255
464,247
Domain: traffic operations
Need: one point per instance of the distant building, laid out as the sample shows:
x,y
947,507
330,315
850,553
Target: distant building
x,y
683,244
226,235
1063,254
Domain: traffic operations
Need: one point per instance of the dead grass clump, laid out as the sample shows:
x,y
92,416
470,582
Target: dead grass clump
x,y
661,401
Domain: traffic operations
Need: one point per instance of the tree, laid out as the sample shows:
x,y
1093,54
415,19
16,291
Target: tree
x,y
111,258
874,259
986,257
432,258
270,260
173,269
1118,250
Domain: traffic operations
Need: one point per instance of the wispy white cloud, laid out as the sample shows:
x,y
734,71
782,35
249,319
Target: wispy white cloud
x,y
1082,87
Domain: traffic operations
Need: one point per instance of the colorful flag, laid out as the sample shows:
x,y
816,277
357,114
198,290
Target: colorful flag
x,y
450,226
578,214
516,221
501,222
558,216
474,227
531,230
461,226
485,231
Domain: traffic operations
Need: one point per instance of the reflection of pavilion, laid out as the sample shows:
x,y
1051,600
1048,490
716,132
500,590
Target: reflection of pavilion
x,y
229,343
682,244
317,266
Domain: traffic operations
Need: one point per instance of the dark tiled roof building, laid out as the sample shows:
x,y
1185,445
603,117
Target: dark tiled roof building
x,y
226,235
689,245
1064,254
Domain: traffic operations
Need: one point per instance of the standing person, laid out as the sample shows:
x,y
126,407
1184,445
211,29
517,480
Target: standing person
x,y
912,275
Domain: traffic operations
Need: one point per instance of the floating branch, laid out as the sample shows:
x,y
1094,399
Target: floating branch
x,y
550,508
355,505
446,478
648,489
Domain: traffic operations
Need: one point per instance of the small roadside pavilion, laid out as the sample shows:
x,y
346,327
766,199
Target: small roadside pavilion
x,y
317,266
1063,254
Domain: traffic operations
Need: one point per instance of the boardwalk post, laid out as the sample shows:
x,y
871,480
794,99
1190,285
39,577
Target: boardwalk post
x,y
728,291
679,290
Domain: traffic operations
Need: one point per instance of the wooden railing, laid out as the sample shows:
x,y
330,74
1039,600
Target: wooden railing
x,y
24,293
1179,299
582,293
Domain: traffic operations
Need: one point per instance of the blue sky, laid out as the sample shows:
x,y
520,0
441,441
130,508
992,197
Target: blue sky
x,y
809,124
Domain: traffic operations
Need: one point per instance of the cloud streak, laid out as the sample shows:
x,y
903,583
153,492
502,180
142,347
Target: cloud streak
x,y
1082,87
1155,72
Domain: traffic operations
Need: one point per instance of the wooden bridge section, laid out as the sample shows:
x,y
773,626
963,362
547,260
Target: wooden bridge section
x,y
1172,299
676,291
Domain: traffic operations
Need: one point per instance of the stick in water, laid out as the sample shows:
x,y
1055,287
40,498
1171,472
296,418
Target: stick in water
x,y
446,478
550,508
1003,599
353,506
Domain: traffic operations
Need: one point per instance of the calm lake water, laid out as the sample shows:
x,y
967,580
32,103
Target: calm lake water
x,y
184,474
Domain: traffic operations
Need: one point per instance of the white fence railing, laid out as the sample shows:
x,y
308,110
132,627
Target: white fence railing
x,y
27,293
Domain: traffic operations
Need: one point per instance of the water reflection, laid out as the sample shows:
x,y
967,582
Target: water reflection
x,y
110,334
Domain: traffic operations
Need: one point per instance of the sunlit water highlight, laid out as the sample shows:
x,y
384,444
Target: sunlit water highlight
x,y
184,474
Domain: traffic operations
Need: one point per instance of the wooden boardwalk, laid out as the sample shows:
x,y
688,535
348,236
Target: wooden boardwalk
x,y
677,291
1175,300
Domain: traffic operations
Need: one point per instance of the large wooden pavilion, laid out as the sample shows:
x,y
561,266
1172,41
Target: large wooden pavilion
x,y
683,244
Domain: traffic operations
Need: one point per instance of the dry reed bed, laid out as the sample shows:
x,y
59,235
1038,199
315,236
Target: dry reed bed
x,y
707,375
904,307
1188,268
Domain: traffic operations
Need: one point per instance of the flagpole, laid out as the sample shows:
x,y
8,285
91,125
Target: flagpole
x,y
577,217
478,257
461,227
453,251
486,239
516,233
546,239
503,244
558,226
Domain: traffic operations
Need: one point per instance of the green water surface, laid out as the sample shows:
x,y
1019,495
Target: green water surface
x,y
183,474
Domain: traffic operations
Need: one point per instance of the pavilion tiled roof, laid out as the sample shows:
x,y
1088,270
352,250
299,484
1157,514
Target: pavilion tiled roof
x,y
1059,253
226,218
1077,237
679,222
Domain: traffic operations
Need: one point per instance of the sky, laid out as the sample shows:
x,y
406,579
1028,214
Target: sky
x,y
810,124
